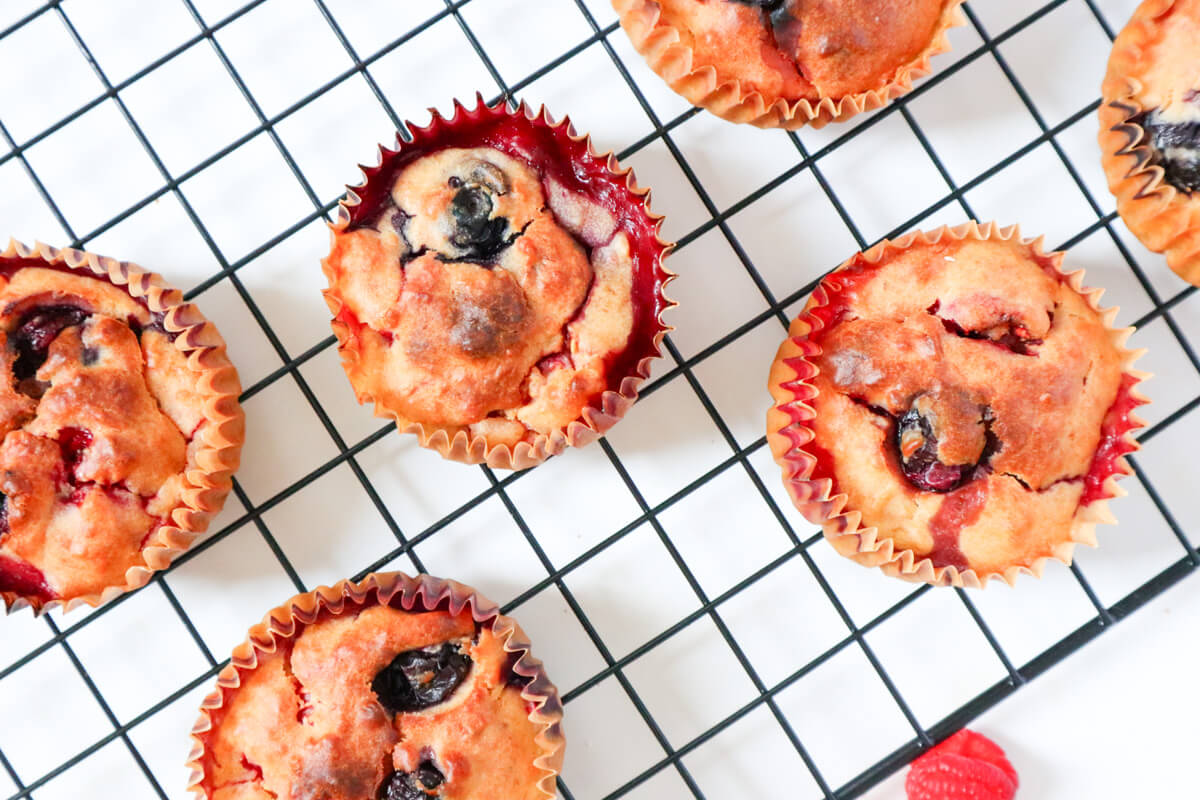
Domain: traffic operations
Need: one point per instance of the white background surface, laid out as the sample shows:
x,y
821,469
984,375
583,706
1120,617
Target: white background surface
x,y
1115,720
588,561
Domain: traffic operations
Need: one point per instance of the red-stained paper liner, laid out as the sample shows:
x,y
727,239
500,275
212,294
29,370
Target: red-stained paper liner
x,y
626,372
1163,218
209,477
395,589
789,431
668,54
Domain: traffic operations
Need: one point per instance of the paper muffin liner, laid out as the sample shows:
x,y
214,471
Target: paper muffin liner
x,y
1162,217
650,277
220,441
422,593
789,430
668,55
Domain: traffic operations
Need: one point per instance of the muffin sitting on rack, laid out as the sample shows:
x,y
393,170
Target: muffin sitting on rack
x,y
394,688
497,287
119,426
789,63
953,407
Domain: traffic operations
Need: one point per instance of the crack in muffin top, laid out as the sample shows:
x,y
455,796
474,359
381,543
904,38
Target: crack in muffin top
x,y
378,704
963,390
98,416
484,295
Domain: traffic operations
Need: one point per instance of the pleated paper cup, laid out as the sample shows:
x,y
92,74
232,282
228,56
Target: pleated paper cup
x,y
216,444
423,594
479,126
1165,219
793,441
667,51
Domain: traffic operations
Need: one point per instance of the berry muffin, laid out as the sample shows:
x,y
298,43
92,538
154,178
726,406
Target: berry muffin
x,y
120,426
394,688
789,63
1150,130
496,287
952,407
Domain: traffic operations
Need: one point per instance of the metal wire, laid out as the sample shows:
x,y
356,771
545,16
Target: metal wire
x,y
709,607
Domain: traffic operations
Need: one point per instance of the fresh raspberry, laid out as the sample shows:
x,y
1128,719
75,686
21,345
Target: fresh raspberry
x,y
967,766
976,745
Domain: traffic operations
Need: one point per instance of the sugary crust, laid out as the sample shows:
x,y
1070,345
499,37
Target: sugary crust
x,y
162,421
1153,65
383,316
1044,404
843,59
293,714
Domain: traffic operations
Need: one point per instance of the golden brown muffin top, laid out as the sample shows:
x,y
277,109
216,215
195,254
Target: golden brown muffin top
x,y
963,390
485,296
805,48
98,410
378,703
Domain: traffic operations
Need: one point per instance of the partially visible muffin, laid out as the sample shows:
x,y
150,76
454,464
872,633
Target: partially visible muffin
x,y
392,689
119,426
497,288
953,407
1150,130
788,63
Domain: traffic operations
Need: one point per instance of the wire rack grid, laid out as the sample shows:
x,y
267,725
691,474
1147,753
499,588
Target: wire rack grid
x,y
656,583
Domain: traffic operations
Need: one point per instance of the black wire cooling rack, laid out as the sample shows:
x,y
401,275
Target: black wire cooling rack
x,y
63,631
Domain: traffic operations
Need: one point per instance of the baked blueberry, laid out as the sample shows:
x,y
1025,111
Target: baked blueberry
x,y
777,11
417,785
917,446
418,679
34,333
477,234
785,19
1176,147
